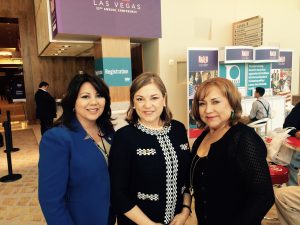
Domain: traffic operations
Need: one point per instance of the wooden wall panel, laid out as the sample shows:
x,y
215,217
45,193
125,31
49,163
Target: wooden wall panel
x,y
41,15
56,71
119,94
115,47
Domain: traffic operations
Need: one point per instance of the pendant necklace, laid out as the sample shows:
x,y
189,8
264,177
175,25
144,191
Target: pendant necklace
x,y
192,172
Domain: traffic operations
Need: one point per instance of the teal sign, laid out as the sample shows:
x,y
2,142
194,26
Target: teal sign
x,y
234,72
99,68
114,71
258,76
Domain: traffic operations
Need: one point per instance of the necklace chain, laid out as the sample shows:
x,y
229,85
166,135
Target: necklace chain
x,y
102,150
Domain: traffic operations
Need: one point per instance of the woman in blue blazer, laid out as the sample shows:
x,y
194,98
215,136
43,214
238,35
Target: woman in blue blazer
x,y
74,187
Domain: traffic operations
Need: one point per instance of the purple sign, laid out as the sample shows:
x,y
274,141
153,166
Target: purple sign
x,y
285,60
266,55
202,60
114,18
239,54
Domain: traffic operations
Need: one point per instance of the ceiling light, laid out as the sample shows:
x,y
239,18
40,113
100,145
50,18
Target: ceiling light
x,y
5,53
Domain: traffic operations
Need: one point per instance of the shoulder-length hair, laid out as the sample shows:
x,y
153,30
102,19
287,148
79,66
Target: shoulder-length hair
x,y
141,81
228,90
69,100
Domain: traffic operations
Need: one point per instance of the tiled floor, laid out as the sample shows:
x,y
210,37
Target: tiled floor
x,y
18,200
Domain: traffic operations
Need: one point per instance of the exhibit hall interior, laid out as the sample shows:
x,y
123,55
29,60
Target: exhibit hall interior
x,y
45,44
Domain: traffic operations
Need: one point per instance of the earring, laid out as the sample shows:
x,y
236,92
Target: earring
x,y
232,115
133,107
73,109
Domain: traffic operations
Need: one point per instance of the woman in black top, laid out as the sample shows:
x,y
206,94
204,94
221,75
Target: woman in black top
x,y
229,175
149,160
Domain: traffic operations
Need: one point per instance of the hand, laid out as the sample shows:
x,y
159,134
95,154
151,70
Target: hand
x,y
180,218
297,134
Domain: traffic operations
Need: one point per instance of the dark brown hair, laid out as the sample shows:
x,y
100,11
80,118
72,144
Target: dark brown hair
x,y
69,100
228,90
141,81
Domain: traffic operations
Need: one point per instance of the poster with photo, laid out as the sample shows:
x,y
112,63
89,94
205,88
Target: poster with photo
x,y
202,64
281,75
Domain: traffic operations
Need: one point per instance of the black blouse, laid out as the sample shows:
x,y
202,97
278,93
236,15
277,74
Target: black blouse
x,y
149,168
232,184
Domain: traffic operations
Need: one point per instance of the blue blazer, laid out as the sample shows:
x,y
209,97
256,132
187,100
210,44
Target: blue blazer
x,y
74,187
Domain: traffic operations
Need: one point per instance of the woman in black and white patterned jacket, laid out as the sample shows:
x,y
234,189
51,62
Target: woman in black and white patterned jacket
x,y
149,160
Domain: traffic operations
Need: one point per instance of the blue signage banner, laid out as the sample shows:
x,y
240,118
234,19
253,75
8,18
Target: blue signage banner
x,y
285,60
234,72
258,76
114,71
238,55
266,55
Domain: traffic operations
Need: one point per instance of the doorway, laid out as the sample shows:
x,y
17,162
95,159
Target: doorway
x,y
12,87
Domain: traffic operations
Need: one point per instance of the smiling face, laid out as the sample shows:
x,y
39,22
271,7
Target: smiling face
x,y
89,104
214,109
149,103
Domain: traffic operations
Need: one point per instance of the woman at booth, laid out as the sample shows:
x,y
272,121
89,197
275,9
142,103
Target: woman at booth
x,y
229,175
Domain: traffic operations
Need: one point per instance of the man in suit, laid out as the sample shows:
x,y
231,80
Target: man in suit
x,y
45,107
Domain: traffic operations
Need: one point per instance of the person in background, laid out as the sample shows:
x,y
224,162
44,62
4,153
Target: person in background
x,y
45,107
287,201
149,160
229,174
261,107
74,184
293,120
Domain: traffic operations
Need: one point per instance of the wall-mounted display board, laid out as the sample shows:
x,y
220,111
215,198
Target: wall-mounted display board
x,y
248,32
202,64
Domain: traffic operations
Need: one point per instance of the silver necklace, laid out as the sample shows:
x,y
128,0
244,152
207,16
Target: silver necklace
x,y
192,172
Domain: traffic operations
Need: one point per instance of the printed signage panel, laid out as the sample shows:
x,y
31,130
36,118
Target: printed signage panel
x,y
114,71
281,75
266,55
285,60
234,72
238,55
258,76
115,18
202,64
